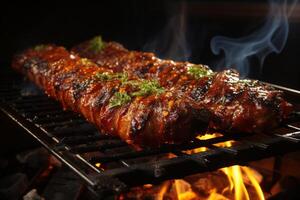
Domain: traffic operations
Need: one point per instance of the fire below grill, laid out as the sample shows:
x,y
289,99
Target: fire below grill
x,y
109,165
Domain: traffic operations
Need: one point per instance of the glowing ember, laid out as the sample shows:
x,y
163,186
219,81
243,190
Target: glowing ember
x,y
98,165
184,190
236,176
163,190
249,173
239,180
202,137
235,182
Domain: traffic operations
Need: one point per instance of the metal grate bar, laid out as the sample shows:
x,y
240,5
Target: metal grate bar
x,y
97,147
80,146
79,139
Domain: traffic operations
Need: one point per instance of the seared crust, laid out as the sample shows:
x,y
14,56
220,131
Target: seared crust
x,y
223,100
146,120
220,100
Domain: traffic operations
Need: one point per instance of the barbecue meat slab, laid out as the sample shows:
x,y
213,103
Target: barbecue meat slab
x,y
148,101
116,104
230,103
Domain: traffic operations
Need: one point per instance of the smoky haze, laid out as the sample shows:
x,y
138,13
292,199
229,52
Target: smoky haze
x,y
172,42
270,37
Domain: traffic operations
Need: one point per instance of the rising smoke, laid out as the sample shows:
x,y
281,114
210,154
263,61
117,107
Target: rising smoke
x,y
172,42
271,37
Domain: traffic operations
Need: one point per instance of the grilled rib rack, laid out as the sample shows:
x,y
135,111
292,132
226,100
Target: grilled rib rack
x,y
109,165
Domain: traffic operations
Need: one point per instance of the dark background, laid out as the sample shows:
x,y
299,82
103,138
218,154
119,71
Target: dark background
x,y
137,23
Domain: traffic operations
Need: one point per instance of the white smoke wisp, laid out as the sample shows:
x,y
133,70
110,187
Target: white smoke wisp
x,y
171,42
271,37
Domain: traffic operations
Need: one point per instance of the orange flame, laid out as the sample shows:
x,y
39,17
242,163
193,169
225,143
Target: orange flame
x,y
254,182
163,190
236,176
183,190
202,137
98,165
225,184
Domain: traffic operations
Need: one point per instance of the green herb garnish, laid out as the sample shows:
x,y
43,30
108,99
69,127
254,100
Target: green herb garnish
x,y
247,82
123,77
141,87
40,47
119,99
96,44
103,76
199,72
147,87
86,62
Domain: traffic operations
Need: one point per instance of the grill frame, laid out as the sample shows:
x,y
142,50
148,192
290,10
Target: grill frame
x,y
64,144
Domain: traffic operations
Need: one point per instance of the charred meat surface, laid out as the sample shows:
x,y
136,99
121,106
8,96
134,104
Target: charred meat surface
x,y
148,101
137,110
228,102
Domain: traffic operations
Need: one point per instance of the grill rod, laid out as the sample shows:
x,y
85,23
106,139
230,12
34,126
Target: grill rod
x,y
76,147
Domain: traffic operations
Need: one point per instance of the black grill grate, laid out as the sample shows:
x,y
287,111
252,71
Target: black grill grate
x,y
79,145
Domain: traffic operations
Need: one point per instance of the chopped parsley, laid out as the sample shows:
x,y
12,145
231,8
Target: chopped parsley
x,y
141,87
86,62
112,76
248,82
118,99
147,87
199,72
103,76
40,47
96,44
123,77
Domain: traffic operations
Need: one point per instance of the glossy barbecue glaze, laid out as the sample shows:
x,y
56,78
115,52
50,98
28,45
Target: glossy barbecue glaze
x,y
151,119
232,104
220,100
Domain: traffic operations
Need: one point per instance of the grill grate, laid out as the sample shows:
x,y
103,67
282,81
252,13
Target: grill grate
x,y
79,145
